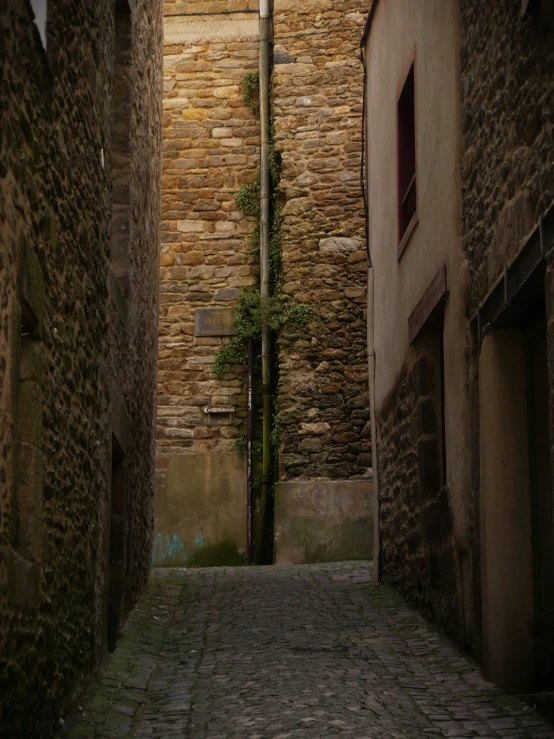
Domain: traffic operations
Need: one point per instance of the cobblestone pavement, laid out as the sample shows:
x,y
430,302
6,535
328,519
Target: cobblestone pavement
x,y
310,651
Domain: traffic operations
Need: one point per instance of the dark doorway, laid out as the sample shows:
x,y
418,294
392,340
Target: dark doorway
x,y
118,538
538,412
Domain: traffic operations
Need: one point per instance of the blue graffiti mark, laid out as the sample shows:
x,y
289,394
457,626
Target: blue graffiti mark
x,y
173,548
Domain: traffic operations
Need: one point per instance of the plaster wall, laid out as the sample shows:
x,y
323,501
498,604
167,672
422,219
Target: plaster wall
x,y
505,513
200,510
325,521
430,31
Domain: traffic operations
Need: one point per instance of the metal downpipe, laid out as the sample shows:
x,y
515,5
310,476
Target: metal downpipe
x,y
371,372
264,269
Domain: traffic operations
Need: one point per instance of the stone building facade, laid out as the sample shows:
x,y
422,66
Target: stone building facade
x,y
412,58
460,317
80,148
508,235
322,393
211,150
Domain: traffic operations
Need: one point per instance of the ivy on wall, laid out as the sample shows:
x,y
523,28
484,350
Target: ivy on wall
x,y
277,310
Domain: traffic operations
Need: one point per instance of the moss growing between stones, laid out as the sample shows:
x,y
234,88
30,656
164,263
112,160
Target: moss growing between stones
x,y
248,199
251,91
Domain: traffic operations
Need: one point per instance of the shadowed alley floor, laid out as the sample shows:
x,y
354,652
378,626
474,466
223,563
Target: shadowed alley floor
x,y
310,651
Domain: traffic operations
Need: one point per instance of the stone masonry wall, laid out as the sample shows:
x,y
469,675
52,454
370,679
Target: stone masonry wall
x,y
211,149
134,354
55,364
507,172
317,98
508,179
415,516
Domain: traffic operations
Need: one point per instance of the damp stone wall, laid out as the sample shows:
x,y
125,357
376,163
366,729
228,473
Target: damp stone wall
x,y
323,401
60,353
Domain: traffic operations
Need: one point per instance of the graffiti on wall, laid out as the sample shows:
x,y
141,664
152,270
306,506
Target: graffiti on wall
x,y
170,548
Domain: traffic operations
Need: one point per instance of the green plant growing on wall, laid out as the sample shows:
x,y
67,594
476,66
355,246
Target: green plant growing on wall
x,y
252,311
251,91
248,199
241,444
276,432
277,311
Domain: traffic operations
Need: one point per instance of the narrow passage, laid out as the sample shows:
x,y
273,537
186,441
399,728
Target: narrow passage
x,y
278,652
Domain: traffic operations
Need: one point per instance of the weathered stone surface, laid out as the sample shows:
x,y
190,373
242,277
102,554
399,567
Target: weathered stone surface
x,y
199,508
211,149
507,68
317,97
323,521
58,179
507,177
338,244
343,658
415,516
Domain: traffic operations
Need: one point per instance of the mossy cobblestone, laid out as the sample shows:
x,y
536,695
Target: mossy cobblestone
x,y
306,651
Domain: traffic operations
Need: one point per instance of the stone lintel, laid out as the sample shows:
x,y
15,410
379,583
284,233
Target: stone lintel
x,y
424,311
212,28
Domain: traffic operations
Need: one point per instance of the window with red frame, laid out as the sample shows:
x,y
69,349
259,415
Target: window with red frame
x,y
406,155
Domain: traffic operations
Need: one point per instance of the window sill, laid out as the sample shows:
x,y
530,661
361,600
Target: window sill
x,y
407,235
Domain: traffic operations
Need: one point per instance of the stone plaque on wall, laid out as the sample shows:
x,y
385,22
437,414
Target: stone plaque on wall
x,y
215,322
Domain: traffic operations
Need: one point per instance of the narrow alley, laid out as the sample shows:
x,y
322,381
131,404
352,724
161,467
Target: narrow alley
x,y
276,369
302,651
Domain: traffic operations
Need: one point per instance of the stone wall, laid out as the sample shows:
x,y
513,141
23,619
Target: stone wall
x,y
508,181
317,99
415,515
62,350
211,149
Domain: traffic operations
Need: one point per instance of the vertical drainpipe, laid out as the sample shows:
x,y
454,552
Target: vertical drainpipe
x,y
364,176
264,269
371,371
249,443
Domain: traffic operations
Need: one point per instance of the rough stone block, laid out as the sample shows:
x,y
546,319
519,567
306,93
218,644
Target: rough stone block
x,y
339,244
23,581
227,294
29,496
32,288
31,360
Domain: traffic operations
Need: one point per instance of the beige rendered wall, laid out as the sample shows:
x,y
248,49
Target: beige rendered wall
x,y
431,30
211,149
325,521
505,513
